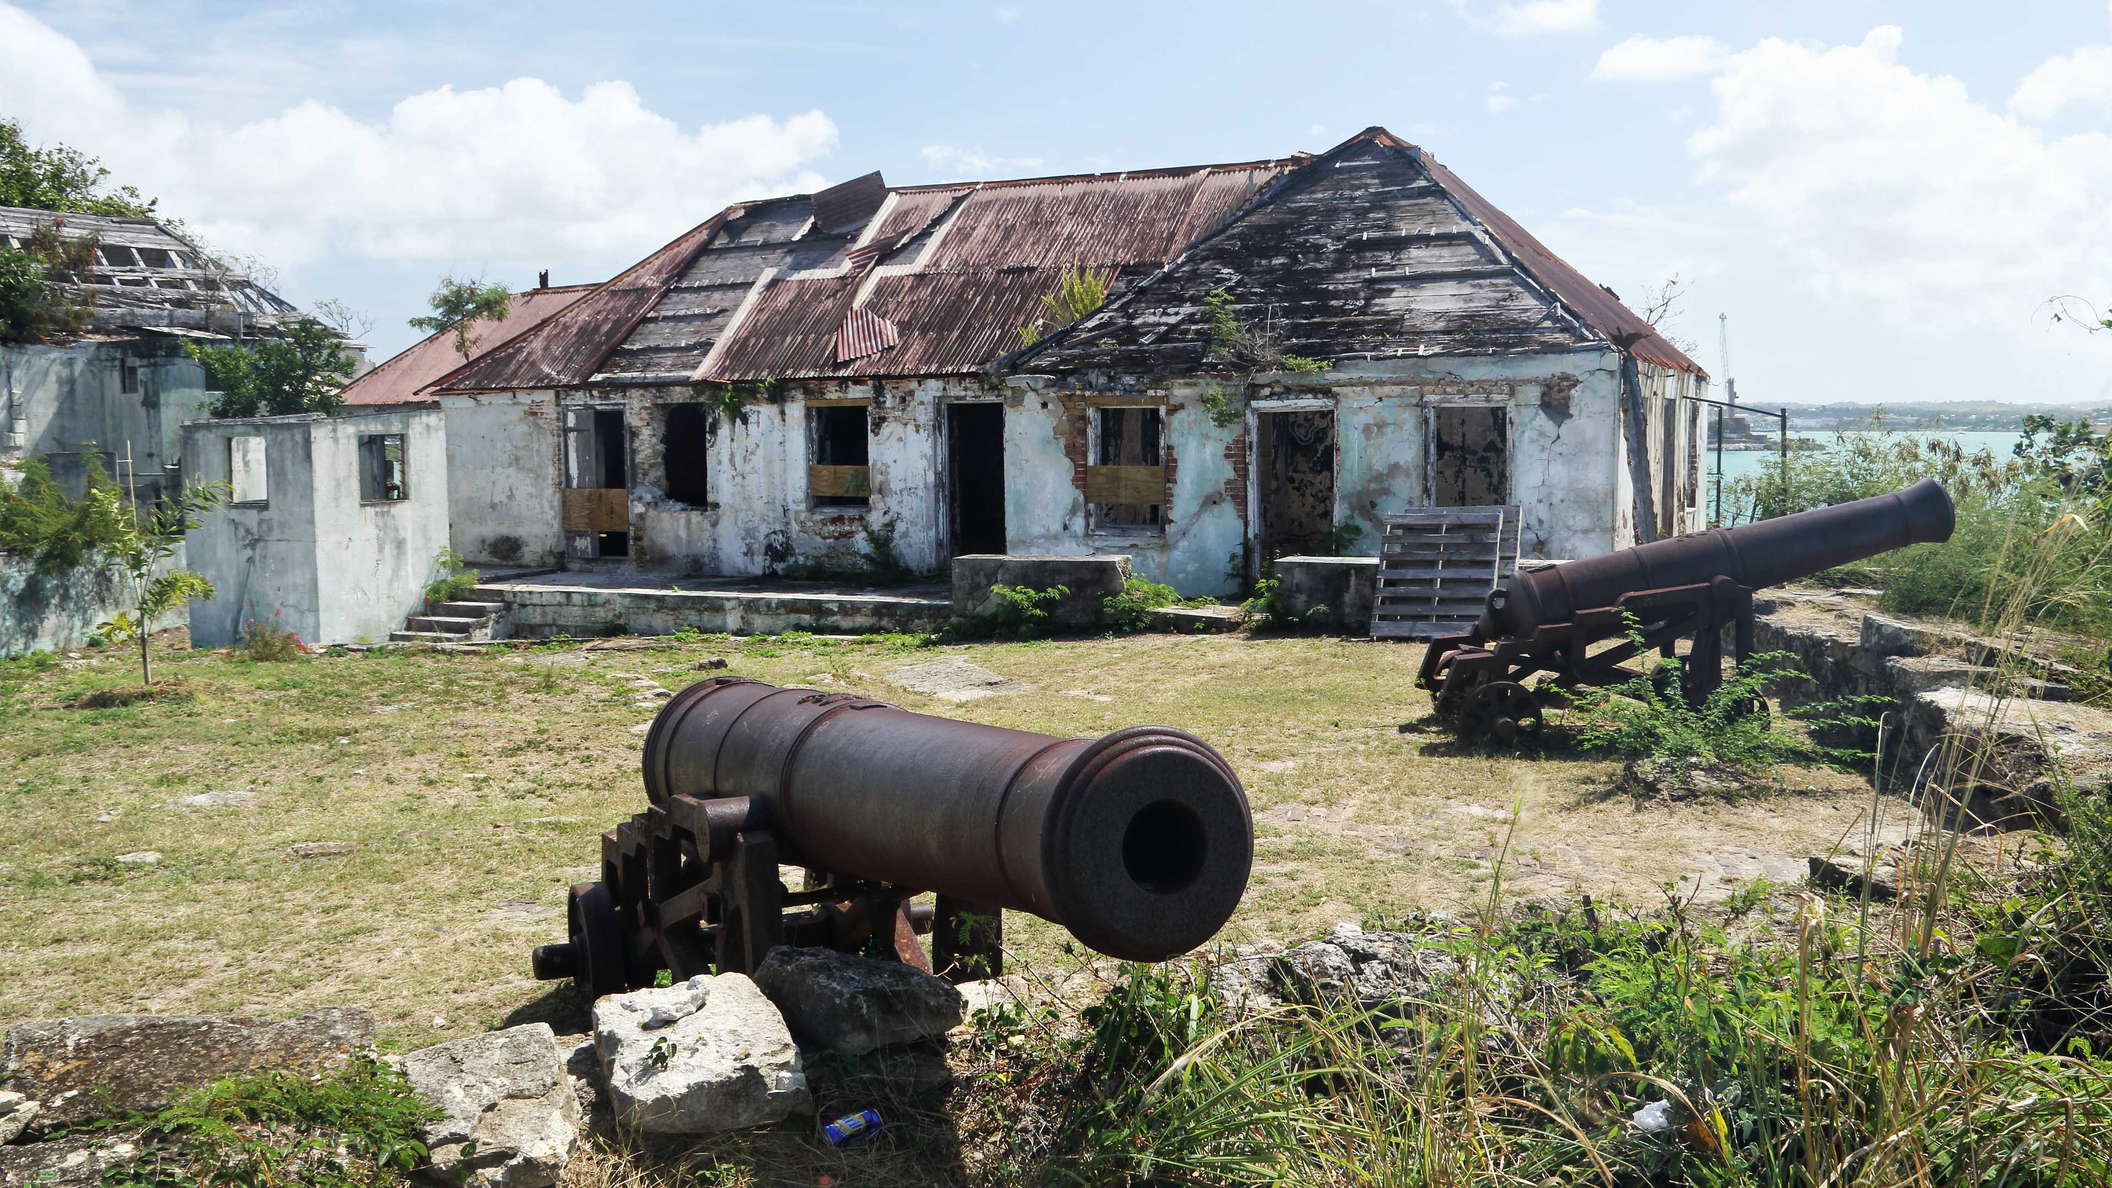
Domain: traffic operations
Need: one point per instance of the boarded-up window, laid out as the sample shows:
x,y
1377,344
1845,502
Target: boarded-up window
x,y
1125,483
1469,456
382,477
685,447
837,453
245,469
128,376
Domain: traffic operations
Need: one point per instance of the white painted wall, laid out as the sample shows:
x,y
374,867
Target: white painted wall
x,y
326,566
1567,466
62,403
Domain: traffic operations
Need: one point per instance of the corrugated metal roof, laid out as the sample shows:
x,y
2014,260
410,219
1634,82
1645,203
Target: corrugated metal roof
x,y
569,347
767,291
970,265
410,374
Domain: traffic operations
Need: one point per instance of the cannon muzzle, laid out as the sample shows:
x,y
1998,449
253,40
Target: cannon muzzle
x,y
1139,842
1767,553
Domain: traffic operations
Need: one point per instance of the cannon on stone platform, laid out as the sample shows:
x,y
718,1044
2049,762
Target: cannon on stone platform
x,y
1138,843
1579,624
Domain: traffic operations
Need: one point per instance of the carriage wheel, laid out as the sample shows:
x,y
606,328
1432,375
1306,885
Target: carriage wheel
x,y
596,948
1499,712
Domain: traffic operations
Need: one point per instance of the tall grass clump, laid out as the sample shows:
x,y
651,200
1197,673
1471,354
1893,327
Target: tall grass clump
x,y
2057,475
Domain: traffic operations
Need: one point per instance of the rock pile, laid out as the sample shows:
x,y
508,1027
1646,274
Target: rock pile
x,y
706,1056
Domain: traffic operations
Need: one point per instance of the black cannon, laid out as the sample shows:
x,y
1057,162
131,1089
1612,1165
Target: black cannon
x,y
1573,622
1139,843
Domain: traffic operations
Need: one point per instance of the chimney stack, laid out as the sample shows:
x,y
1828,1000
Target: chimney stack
x,y
542,279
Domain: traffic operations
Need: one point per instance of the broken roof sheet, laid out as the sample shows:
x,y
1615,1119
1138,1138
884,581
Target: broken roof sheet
x,y
149,277
409,376
938,280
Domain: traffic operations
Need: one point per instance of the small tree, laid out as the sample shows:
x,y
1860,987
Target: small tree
x,y
40,297
60,178
1079,291
301,372
145,540
458,305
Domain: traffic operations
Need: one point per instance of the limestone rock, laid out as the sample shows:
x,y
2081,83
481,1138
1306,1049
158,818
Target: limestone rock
x,y
74,1161
17,1111
725,1061
1673,779
94,1065
506,1092
850,1004
1881,880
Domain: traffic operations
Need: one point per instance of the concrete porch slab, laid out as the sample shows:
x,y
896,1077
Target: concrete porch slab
x,y
635,603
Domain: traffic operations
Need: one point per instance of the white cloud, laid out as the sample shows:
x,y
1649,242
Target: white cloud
x,y
2081,79
1499,101
959,164
1879,231
1654,59
1007,14
510,177
1547,16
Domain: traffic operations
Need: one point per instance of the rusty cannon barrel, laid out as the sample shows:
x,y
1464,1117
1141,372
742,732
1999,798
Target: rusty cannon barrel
x,y
1766,553
1138,842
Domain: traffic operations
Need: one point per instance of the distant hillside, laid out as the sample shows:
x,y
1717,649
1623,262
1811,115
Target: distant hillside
x,y
1994,415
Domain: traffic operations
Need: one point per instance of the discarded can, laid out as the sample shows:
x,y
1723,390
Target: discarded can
x,y
852,1127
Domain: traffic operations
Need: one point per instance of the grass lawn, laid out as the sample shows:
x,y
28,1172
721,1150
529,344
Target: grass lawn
x,y
464,792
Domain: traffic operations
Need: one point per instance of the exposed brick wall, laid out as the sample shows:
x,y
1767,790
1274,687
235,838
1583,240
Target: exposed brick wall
x,y
1236,486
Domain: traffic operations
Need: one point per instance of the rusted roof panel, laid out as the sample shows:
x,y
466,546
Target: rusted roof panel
x,y
1370,250
566,350
410,374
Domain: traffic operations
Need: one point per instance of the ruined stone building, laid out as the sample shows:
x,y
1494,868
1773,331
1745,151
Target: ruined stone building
x,y
870,376
125,382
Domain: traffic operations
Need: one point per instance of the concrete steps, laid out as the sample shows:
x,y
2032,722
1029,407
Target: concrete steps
x,y
585,603
453,622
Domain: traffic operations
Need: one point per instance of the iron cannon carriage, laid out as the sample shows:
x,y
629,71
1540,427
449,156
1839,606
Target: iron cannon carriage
x,y
1139,842
1581,623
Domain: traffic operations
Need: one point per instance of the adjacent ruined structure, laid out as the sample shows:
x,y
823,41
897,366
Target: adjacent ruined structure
x,y
870,377
125,382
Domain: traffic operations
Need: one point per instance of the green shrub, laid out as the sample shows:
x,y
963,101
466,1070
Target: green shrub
x,y
453,578
359,1128
1019,612
1648,717
1130,611
39,520
269,643
1265,607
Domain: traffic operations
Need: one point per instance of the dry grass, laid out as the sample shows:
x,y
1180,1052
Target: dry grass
x,y
471,789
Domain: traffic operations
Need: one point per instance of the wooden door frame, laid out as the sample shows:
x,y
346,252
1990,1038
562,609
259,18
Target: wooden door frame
x,y
1255,410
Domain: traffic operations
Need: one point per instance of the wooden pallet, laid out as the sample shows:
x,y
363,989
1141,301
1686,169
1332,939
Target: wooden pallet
x,y
1437,566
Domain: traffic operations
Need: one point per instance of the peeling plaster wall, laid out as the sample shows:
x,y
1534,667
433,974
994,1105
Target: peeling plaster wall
x,y
61,403
311,555
1564,441
503,476
1566,463
760,518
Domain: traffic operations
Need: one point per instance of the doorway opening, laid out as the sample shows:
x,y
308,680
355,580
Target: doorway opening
x,y
976,463
1470,455
595,505
1295,472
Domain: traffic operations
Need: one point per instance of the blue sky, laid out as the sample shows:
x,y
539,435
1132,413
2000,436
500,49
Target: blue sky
x,y
1881,196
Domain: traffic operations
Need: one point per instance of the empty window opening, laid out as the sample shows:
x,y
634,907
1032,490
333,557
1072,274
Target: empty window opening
x,y
1469,456
118,256
1125,484
245,469
156,257
685,449
381,468
128,375
837,444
